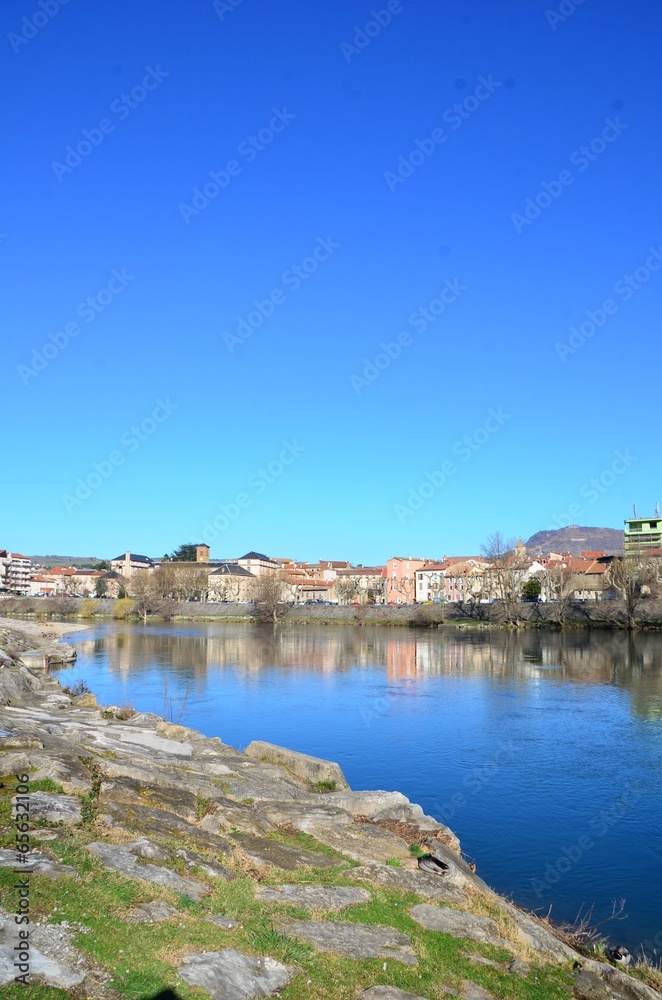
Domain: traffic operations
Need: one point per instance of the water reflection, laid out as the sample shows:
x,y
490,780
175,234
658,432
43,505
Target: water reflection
x,y
630,662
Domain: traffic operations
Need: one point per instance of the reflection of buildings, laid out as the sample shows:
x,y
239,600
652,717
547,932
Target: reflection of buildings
x,y
632,663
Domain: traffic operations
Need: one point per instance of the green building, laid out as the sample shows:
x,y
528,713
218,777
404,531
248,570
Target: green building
x,y
643,534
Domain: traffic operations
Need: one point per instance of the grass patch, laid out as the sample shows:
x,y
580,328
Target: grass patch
x,y
203,806
325,786
46,785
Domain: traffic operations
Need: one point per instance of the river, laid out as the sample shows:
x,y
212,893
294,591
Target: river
x,y
542,751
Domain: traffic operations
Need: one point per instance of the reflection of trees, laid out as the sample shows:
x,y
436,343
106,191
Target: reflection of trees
x,y
630,661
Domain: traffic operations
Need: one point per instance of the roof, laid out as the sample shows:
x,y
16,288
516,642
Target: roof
x,y
231,569
133,557
256,555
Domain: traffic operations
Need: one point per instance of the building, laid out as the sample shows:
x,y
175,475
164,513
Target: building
x,y
365,584
258,564
400,580
643,534
42,586
15,571
130,563
230,582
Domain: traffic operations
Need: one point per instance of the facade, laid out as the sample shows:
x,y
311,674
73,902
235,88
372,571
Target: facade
x,y
229,582
365,584
643,534
400,580
42,586
15,571
258,564
130,563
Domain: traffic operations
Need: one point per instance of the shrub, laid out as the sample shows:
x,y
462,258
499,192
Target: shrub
x,y
123,608
88,609
80,687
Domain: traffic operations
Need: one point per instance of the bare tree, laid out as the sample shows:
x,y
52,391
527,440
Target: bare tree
x,y
144,592
632,579
346,589
503,577
559,585
181,582
267,595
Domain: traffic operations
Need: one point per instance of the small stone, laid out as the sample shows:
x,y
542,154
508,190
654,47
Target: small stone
x,y
152,913
481,960
519,967
388,993
470,991
39,863
231,975
227,923
142,847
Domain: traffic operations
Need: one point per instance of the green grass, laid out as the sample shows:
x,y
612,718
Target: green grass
x,y
325,786
142,960
46,785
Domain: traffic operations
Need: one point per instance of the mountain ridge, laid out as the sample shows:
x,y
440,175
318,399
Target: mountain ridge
x,y
577,539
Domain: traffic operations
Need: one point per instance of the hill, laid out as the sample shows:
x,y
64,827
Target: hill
x,y
576,539
51,561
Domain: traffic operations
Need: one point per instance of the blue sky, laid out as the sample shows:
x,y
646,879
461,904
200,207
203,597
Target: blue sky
x,y
374,169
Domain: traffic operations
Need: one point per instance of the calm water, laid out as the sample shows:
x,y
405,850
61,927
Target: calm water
x,y
543,752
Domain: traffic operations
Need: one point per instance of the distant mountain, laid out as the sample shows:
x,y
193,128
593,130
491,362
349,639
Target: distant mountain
x,y
577,540
51,561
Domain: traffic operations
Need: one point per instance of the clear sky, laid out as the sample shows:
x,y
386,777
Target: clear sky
x,y
461,182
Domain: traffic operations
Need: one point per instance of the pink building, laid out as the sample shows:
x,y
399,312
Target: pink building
x,y
401,579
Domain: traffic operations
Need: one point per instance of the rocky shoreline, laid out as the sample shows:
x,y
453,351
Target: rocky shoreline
x,y
160,858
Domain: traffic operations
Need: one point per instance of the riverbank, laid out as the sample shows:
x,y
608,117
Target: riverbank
x,y
586,614
258,868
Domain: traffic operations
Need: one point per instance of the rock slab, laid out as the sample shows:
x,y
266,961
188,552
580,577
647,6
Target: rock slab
x,y
231,975
459,924
54,808
120,859
332,898
355,941
263,852
311,769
